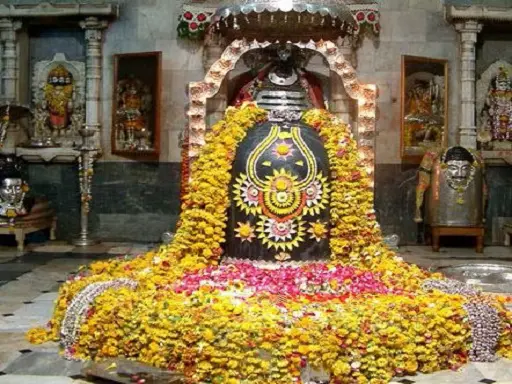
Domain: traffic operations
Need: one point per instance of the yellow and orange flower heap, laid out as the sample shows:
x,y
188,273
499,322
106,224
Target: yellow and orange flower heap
x,y
227,337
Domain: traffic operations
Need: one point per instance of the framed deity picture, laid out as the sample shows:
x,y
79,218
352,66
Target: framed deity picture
x,y
424,108
136,105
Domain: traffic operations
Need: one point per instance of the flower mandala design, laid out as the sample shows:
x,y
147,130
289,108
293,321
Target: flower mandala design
x,y
280,235
317,195
318,230
282,150
245,231
246,195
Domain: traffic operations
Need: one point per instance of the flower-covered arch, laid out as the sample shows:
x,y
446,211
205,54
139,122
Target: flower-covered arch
x,y
201,91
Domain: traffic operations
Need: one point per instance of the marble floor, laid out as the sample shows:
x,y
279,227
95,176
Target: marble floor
x,y
29,282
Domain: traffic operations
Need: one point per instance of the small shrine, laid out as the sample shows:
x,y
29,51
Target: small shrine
x,y
485,86
50,82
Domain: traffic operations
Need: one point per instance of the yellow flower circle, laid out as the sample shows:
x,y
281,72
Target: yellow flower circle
x,y
282,149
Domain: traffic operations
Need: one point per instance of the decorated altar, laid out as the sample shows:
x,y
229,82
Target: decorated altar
x,y
278,272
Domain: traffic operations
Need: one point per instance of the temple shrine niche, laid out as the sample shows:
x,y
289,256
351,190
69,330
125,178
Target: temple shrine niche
x,y
485,89
494,103
51,60
52,56
59,103
136,104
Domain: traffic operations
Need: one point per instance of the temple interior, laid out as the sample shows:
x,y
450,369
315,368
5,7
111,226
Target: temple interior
x,y
256,191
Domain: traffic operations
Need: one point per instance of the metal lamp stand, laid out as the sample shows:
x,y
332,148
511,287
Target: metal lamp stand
x,y
88,153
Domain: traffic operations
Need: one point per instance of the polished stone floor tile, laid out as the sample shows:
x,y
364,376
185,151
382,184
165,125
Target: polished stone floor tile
x,y
123,250
49,296
25,379
16,266
94,249
9,275
54,248
44,364
500,370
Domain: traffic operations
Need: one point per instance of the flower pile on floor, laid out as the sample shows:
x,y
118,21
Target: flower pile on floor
x,y
364,316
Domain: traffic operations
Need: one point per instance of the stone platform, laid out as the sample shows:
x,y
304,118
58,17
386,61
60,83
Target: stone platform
x,y
29,282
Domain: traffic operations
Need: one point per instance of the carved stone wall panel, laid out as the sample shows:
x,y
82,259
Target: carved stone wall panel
x,y
40,75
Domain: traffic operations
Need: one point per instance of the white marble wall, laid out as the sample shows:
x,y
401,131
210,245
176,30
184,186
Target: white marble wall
x,y
412,27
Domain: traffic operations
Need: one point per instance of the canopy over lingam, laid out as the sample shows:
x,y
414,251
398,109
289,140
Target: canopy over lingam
x,y
285,19
349,16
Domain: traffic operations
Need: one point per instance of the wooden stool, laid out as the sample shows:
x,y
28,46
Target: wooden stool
x,y
477,232
41,216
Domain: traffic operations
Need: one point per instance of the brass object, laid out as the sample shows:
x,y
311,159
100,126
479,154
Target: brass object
x,y
453,182
88,154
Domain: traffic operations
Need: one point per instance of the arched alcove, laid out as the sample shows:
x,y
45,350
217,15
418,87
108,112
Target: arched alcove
x,y
200,92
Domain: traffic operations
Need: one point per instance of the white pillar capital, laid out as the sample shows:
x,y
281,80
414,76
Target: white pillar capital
x,y
93,28
468,31
469,26
9,60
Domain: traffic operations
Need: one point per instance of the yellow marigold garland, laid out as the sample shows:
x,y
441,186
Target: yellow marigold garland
x,y
210,337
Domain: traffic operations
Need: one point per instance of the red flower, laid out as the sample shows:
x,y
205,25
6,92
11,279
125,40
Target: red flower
x,y
201,17
360,16
371,16
193,26
341,153
377,27
188,15
356,175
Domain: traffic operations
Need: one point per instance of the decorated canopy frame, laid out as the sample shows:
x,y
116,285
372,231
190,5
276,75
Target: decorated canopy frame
x,y
201,91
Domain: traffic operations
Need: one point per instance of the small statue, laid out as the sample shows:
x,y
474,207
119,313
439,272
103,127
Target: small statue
x,y
134,103
77,119
497,112
58,98
458,190
13,189
424,113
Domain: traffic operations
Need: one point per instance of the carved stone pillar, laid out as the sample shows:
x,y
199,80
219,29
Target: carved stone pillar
x,y
216,106
468,31
94,39
340,103
9,85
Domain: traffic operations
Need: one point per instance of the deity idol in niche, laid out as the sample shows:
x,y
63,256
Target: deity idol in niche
x,y
134,102
282,83
498,107
424,112
58,98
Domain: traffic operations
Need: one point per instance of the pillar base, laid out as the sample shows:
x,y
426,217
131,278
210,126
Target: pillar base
x,y
84,242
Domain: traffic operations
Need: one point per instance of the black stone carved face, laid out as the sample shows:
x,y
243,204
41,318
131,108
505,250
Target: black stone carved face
x,y
458,167
280,195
